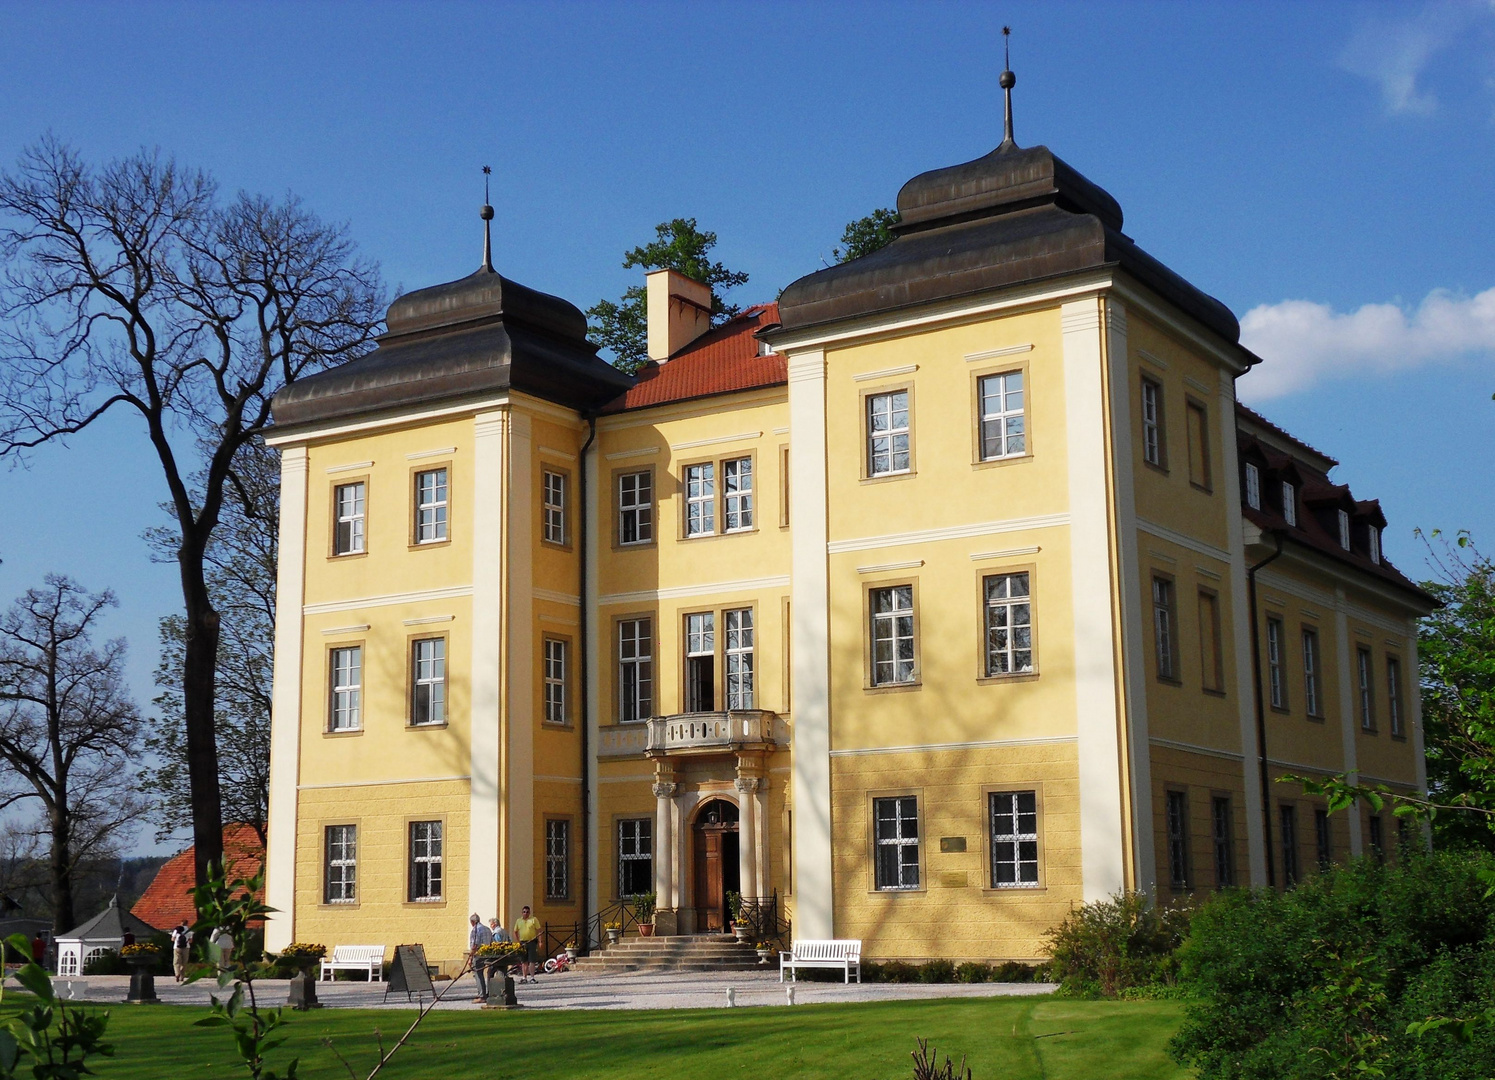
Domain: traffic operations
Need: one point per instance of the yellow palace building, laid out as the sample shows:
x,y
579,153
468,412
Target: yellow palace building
x,y
923,604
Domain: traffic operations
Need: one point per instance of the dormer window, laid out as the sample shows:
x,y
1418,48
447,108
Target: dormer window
x,y
1344,529
1375,544
1290,503
1253,486
765,349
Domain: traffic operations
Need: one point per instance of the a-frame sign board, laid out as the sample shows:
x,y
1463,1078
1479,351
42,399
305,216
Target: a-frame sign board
x,y
409,974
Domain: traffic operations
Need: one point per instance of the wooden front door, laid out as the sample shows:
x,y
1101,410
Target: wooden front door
x,y
714,856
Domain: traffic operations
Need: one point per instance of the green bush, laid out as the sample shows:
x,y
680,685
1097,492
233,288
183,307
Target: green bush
x,y
970,972
894,971
937,971
1321,981
1107,946
107,962
1010,971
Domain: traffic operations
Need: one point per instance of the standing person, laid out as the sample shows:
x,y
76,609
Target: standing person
x,y
222,946
181,945
527,933
501,936
478,935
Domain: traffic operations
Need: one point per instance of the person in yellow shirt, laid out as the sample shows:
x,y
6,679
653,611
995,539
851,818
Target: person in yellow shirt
x,y
527,933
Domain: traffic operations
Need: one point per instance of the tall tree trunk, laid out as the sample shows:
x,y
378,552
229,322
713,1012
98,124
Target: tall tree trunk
x,y
199,680
60,868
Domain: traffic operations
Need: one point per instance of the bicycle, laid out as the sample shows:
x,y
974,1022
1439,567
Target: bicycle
x,y
558,963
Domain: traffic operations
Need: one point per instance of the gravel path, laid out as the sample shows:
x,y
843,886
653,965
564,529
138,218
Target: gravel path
x,y
573,990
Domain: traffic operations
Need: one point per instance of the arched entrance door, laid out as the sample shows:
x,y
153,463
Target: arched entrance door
x,y
716,866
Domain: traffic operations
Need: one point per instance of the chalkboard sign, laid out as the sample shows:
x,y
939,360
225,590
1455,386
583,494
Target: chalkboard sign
x,y
409,974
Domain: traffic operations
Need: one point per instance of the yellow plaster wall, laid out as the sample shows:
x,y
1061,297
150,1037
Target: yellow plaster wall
x,y
1201,777
953,914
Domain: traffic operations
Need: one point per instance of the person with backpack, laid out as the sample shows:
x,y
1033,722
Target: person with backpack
x,y
181,947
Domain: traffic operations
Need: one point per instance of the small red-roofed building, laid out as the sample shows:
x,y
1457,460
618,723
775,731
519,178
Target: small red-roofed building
x,y
168,898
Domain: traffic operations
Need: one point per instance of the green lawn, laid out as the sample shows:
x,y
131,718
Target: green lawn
x,y
1006,1038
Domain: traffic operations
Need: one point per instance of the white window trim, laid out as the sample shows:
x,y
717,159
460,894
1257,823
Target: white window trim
x,y
432,686
557,859
1344,529
435,848
554,486
1152,429
900,842
431,524
556,661
1276,686
891,434
347,864
739,646
1009,604
347,697
1004,414
641,663
354,517
643,835
1013,840
885,627
1253,486
1290,503
1311,672
700,499
737,505
640,503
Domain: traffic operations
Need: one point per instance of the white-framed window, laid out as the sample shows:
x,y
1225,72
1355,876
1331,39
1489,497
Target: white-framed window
x,y
1366,691
1323,838
348,535
887,433
739,654
635,856
555,681
1162,624
892,635
67,963
428,689
1394,695
341,874
1289,829
1003,432
1152,423
1224,842
700,499
425,861
430,506
737,494
1311,672
1013,822
896,824
1253,486
700,661
1276,682
1374,537
1290,503
1178,840
1344,529
347,688
636,508
554,485
635,669
557,859
1009,624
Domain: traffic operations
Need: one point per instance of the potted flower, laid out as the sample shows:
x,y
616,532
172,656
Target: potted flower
x,y
614,932
734,915
303,956
643,911
570,952
765,951
141,959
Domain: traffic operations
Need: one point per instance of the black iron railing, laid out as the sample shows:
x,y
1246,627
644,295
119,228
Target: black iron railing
x,y
763,918
593,934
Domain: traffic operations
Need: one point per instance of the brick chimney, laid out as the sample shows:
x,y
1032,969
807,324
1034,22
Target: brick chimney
x,y
679,310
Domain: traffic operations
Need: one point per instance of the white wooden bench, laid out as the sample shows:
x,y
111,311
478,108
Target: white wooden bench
x,y
844,954
70,989
366,958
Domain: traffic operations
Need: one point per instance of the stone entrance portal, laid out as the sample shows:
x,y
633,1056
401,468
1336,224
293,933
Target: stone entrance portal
x,y
715,856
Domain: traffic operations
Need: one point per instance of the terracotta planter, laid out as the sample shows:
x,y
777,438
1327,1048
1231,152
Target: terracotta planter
x,y
646,929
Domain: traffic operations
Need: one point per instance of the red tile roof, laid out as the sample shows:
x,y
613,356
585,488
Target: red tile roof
x,y
720,361
168,898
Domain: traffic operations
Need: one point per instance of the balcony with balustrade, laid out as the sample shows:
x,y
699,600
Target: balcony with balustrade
x,y
690,734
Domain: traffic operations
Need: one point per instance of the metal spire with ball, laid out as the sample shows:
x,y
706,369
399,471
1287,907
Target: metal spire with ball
x,y
486,213
1007,81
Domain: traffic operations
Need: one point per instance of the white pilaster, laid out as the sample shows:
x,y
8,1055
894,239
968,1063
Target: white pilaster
x,y
1240,632
486,665
1134,623
1097,722
518,700
599,505
1349,724
814,902
285,700
760,835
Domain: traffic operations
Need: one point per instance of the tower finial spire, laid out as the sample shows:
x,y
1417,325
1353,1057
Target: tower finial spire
x,y
1007,82
486,213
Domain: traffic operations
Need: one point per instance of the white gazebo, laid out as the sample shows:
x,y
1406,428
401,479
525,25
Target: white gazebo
x,y
105,932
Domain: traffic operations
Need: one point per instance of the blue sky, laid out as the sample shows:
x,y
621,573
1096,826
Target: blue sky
x,y
1325,169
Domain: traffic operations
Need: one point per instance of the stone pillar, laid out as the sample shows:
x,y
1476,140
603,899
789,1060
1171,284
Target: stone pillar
x,y
747,832
664,857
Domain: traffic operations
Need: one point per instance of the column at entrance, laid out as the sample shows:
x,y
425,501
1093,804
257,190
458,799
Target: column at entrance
x,y
747,832
665,790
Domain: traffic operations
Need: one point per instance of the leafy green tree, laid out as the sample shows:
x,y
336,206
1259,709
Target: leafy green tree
x,y
623,327
867,234
1456,654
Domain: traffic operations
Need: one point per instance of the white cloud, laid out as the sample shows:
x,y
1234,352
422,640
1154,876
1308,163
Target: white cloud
x,y
1303,343
1393,53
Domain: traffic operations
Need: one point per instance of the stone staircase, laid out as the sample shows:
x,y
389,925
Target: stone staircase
x,y
685,952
